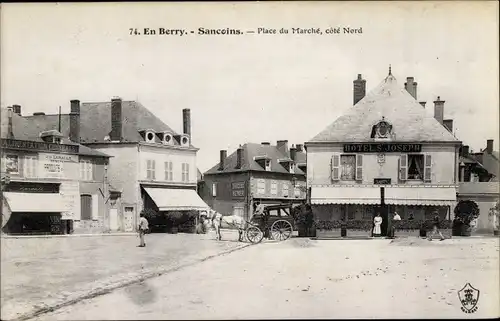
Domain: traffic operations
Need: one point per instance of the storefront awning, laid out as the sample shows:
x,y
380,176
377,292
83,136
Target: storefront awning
x,y
170,199
431,196
345,195
35,202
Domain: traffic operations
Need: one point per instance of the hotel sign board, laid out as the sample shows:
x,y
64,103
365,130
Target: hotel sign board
x,y
238,189
382,181
38,146
382,148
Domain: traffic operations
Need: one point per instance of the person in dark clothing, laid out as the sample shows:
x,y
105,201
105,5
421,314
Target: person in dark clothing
x,y
435,227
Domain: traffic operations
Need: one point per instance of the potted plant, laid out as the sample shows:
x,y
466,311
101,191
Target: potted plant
x,y
494,215
465,213
173,221
327,228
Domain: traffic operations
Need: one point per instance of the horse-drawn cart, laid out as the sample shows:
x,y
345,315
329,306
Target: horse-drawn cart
x,y
275,223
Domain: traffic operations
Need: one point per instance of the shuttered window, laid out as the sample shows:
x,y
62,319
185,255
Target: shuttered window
x,y
359,167
30,165
335,163
150,169
428,168
403,167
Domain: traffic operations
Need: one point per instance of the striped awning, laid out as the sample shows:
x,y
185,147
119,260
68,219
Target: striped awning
x,y
35,202
431,196
345,195
171,199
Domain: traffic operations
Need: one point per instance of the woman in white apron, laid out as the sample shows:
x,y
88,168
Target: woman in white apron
x,y
378,222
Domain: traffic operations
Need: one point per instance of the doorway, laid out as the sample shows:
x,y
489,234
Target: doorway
x,y
113,219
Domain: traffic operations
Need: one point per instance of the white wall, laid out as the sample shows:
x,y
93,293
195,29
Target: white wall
x,y
319,165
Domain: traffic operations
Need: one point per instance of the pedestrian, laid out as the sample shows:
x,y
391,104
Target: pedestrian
x,y
143,228
435,227
377,221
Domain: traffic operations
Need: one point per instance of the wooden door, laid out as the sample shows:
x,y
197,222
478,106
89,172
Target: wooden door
x,y
113,219
128,219
86,207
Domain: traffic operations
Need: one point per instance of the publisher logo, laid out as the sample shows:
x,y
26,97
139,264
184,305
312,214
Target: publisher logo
x,y
469,296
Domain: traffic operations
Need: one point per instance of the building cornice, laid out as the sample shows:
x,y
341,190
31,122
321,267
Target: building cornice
x,y
328,143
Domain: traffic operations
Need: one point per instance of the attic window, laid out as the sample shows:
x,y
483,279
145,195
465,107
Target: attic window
x,y
264,162
150,136
184,140
287,164
51,136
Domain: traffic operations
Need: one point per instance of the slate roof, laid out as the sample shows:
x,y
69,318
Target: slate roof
x,y
252,150
408,118
26,129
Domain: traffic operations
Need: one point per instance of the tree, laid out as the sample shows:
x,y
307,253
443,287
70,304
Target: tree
x,y
466,212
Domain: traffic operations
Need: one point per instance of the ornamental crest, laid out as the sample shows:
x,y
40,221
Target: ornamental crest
x,y
383,129
469,297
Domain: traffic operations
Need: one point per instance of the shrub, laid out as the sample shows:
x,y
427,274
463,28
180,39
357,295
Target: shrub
x,y
466,211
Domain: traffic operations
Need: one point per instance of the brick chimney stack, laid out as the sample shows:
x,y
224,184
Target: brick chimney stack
x,y
239,157
422,103
293,153
359,89
186,120
10,128
465,150
448,123
223,156
282,146
411,86
439,110
74,121
116,119
489,146
17,109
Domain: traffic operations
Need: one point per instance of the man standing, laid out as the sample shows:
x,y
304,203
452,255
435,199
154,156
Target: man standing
x,y
143,227
435,227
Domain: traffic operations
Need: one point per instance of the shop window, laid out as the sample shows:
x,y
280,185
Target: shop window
x,y
238,211
12,164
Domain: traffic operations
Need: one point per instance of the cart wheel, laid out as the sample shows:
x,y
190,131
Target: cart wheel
x,y
254,234
281,230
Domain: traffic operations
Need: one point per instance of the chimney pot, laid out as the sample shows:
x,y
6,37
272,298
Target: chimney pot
x,y
116,119
10,126
186,120
293,153
239,157
282,146
265,143
439,110
359,89
17,109
74,121
411,87
489,146
465,150
223,156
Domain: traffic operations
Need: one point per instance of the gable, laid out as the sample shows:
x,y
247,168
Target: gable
x,y
388,101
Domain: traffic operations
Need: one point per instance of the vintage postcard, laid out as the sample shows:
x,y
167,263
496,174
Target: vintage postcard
x,y
249,160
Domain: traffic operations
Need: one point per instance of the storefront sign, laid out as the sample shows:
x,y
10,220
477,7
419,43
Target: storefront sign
x,y
54,165
382,181
28,187
39,146
70,192
238,189
382,148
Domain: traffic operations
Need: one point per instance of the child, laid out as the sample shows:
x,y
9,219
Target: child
x,y
143,227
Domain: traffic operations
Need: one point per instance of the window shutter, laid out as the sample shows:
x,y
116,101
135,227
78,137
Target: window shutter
x,y
403,167
335,167
95,206
359,167
214,189
427,167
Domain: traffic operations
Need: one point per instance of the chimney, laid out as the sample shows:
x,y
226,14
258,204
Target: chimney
x,y
265,143
422,103
16,109
489,146
411,86
293,153
10,129
116,119
448,123
439,110
282,146
186,119
74,121
223,156
465,150
239,157
359,89
299,147
39,113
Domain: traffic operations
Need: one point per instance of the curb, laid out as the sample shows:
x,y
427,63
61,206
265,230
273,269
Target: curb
x,y
107,289
62,236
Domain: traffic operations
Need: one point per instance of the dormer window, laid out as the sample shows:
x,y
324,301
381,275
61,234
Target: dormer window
x,y
288,164
264,162
302,167
167,138
184,140
51,136
148,135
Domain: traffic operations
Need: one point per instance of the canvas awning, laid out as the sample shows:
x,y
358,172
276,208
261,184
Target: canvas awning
x,y
35,202
345,195
171,199
431,196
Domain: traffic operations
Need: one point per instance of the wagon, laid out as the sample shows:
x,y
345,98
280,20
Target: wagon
x,y
276,223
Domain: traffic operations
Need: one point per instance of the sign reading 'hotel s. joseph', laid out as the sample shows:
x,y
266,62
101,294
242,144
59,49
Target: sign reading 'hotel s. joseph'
x,y
382,148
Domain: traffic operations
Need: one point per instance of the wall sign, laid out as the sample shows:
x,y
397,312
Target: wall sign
x,y
238,189
382,148
54,165
382,181
39,146
29,187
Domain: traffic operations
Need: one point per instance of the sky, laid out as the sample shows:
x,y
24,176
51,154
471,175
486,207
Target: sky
x,y
253,87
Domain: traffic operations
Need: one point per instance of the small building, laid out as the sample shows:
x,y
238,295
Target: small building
x,y
265,173
479,183
152,166
52,185
384,154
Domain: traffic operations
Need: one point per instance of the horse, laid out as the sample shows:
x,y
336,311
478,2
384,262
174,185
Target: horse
x,y
215,220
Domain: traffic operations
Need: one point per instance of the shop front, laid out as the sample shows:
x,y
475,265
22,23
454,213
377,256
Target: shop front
x,y
33,208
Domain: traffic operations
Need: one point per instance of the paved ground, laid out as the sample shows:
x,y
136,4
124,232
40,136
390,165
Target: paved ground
x,y
38,272
301,278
